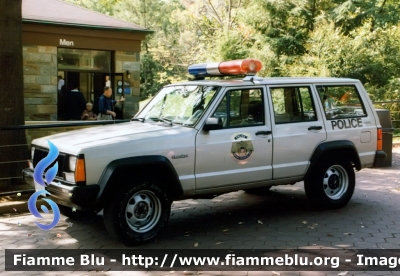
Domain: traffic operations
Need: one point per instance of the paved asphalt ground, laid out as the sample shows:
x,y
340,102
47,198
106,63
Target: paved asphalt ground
x,y
281,219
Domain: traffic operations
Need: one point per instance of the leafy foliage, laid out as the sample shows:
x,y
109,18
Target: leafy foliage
x,y
102,6
337,38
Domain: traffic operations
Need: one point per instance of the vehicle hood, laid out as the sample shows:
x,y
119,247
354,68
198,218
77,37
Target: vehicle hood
x,y
97,136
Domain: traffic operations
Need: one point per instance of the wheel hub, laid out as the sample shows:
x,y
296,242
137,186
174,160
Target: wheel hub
x,y
141,210
333,182
336,182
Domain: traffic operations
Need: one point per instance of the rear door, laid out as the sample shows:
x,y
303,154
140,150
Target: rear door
x,y
241,152
297,128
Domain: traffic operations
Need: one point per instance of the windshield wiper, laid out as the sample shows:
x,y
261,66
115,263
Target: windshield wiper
x,y
138,119
165,120
162,119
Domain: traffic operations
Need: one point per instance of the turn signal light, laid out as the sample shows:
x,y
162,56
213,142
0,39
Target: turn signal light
x,y
80,174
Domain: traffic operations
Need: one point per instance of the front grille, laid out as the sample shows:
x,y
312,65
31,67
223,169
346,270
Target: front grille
x,y
61,159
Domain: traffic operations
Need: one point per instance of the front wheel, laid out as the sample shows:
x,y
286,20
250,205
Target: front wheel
x,y
331,184
137,214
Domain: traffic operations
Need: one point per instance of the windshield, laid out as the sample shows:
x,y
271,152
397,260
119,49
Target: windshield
x,y
183,104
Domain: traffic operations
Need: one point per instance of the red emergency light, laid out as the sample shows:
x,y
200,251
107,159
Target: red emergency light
x,y
229,68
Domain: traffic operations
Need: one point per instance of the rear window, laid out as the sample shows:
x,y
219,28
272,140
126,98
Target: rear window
x,y
293,104
341,101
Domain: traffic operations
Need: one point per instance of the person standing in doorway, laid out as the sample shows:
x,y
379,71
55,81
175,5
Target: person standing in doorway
x,y
108,82
62,99
106,105
76,103
60,84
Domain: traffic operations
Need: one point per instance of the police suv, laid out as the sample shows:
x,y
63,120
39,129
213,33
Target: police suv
x,y
203,137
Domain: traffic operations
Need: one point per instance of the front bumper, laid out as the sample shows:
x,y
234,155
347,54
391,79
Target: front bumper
x,y
80,197
27,176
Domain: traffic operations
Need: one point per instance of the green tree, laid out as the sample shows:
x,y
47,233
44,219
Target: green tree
x,y
161,58
219,32
337,38
102,6
352,14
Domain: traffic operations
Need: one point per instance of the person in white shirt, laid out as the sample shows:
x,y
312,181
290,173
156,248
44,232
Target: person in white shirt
x,y
61,83
108,82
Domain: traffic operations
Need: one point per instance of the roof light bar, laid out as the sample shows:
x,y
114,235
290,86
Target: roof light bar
x,y
226,68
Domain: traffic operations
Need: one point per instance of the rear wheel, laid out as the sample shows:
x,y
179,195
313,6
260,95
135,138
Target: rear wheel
x,y
331,184
137,214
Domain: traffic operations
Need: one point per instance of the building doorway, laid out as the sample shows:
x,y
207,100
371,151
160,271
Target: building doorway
x,y
91,84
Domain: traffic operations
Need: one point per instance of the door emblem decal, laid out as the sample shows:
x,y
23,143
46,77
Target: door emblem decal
x,y
242,148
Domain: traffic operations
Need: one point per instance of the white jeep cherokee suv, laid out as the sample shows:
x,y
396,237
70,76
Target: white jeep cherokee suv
x,y
208,137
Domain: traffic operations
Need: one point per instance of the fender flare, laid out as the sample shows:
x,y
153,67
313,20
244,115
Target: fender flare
x,y
173,187
333,148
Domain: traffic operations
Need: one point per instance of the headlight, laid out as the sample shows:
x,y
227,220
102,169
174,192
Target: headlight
x,y
72,163
32,152
30,161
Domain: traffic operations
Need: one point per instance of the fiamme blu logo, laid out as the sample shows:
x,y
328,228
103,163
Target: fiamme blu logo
x,y
49,176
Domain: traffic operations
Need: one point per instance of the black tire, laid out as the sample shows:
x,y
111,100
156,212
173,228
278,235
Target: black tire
x,y
258,191
75,214
136,214
331,184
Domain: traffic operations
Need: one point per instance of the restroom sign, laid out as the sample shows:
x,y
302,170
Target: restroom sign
x,y
64,42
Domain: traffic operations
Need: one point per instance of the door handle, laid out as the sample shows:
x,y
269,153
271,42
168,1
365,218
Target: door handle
x,y
268,132
315,128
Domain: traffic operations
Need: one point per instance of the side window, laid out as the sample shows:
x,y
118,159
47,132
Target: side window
x,y
341,101
293,104
240,108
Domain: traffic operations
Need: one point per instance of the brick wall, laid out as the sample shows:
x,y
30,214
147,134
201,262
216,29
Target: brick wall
x,y
40,82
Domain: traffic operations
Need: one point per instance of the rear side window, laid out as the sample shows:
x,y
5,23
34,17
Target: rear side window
x,y
341,101
292,104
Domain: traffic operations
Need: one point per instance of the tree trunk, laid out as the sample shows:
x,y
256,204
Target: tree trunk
x,y
313,12
13,149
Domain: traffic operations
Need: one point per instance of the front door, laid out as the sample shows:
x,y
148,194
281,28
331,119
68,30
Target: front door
x,y
297,129
241,152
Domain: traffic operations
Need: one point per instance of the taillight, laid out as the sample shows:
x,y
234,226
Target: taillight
x,y
379,142
80,174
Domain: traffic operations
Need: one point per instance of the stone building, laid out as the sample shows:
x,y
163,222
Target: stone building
x,y
84,48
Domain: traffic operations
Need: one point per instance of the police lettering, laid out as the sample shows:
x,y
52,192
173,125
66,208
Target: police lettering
x,y
349,123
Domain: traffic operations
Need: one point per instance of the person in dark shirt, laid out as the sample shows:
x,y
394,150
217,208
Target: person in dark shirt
x,y
106,105
76,103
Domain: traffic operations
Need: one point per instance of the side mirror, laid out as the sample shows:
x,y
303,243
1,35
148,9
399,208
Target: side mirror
x,y
213,123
